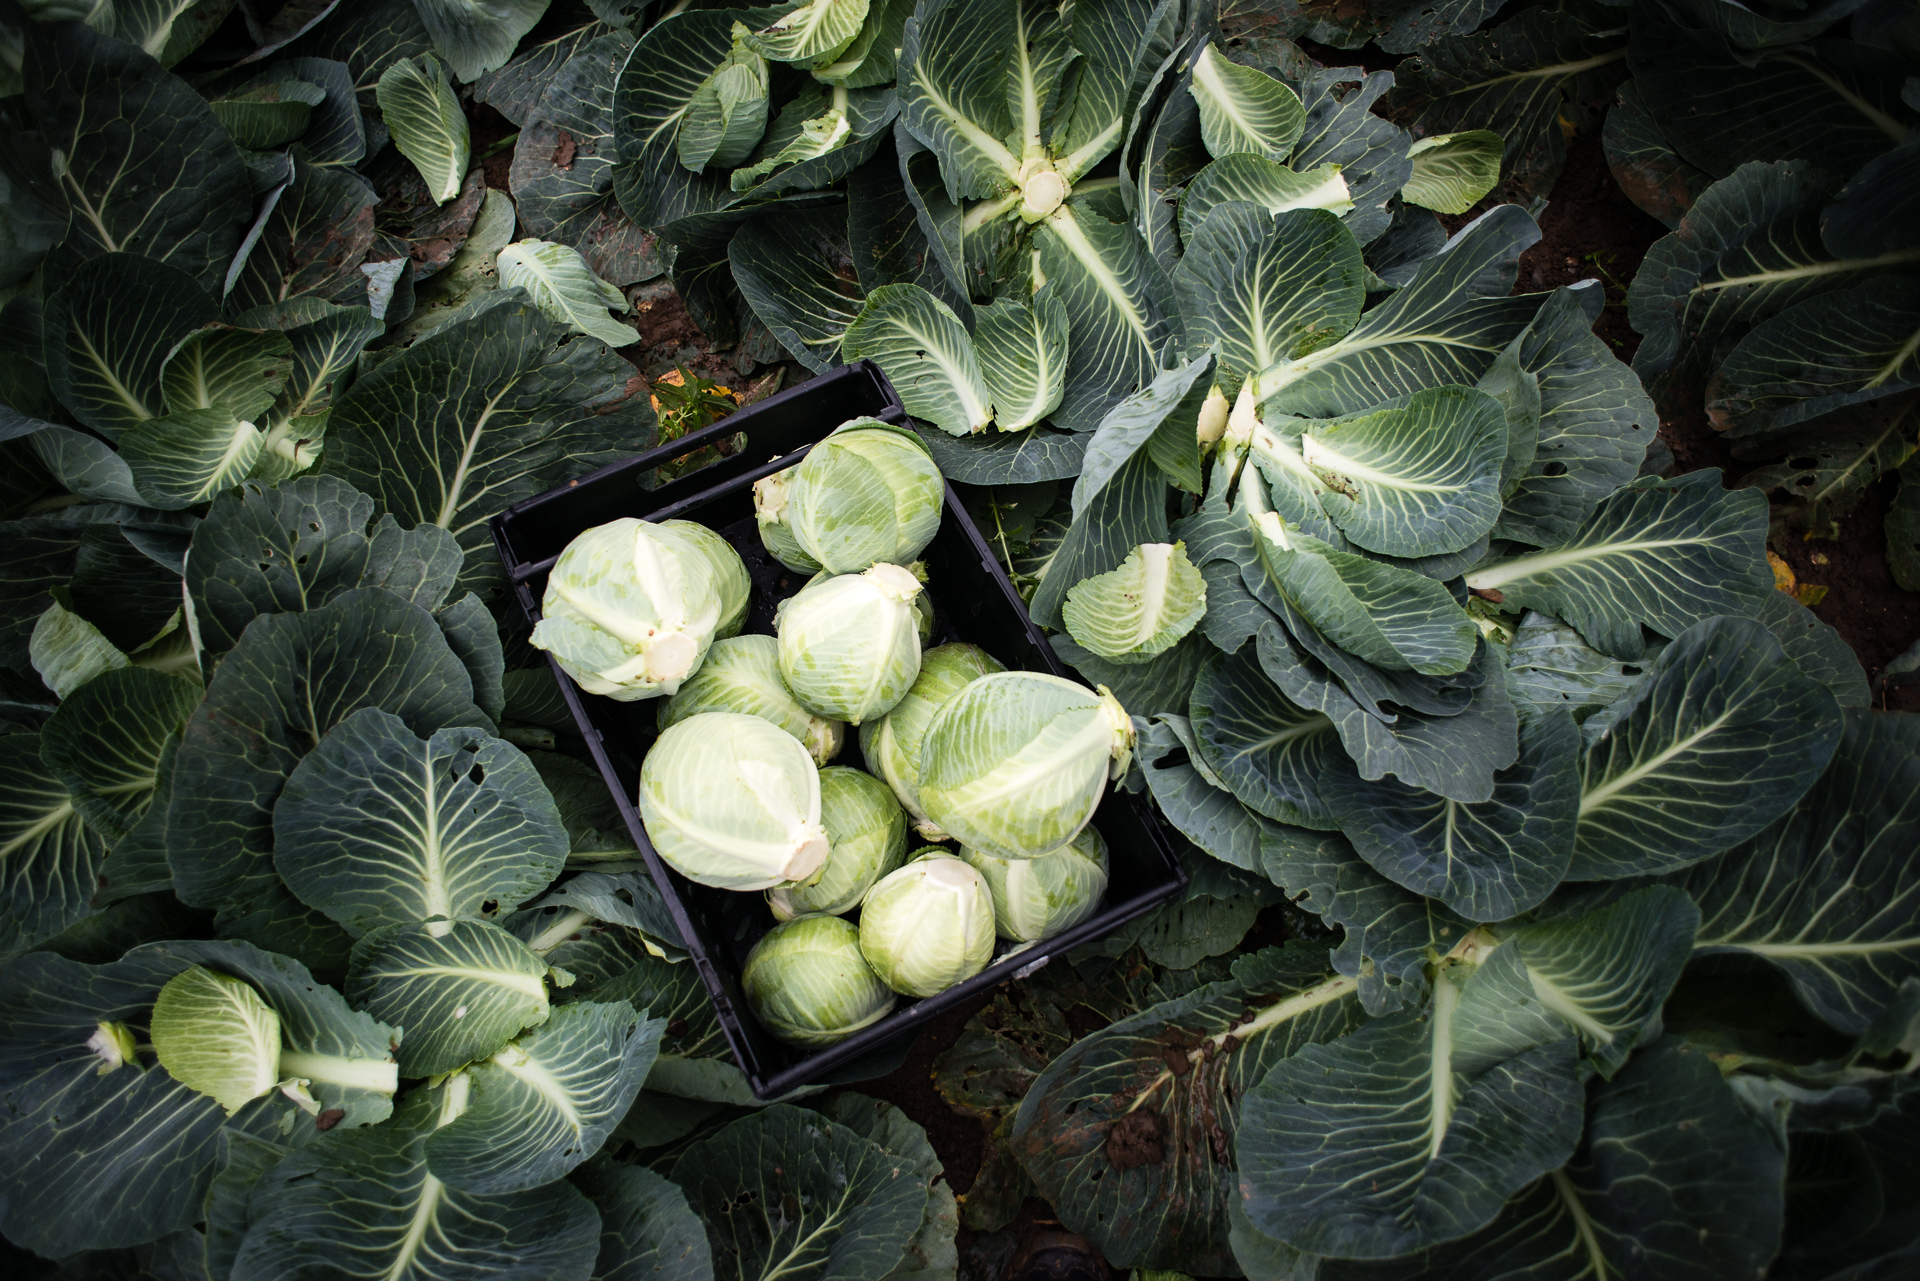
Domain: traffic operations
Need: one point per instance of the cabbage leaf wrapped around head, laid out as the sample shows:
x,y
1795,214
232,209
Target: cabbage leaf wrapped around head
x,y
1015,763
807,982
729,574
866,839
630,609
742,674
866,495
891,744
770,495
928,925
850,646
733,801
1037,898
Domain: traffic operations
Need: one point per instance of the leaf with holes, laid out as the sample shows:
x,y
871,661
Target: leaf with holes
x,y
377,827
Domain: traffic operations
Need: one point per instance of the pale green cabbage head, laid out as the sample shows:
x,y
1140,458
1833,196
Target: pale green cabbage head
x,y
850,646
1015,764
1037,898
742,674
630,609
866,839
807,982
928,926
729,574
733,801
922,603
770,494
866,495
891,744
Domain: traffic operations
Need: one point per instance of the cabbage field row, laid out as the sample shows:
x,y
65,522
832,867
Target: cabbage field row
x,y
1553,903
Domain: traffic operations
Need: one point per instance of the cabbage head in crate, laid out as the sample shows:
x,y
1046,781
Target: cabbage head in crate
x,y
631,606
1037,898
732,801
850,645
1015,764
866,495
866,839
928,925
807,982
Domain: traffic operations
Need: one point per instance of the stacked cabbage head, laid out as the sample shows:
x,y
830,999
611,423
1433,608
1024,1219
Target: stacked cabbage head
x,y
631,606
867,494
1015,763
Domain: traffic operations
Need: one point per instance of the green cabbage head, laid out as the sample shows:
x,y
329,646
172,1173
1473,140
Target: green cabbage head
x,y
850,646
733,801
928,925
632,606
1015,764
891,744
770,494
1037,898
807,982
868,494
866,839
729,575
742,674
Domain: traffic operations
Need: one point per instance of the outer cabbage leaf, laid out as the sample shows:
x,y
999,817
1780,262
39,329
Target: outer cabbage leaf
x,y
1419,1127
497,413
1720,739
462,990
377,827
1488,861
148,169
926,353
50,857
787,1188
542,1104
1660,553
1130,1133
1826,891
362,1203
1668,1123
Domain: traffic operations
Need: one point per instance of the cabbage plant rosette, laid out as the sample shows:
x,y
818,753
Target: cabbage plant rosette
x,y
1014,764
733,801
630,609
1018,102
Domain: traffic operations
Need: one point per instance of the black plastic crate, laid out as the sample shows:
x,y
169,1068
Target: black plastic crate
x,y
973,601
